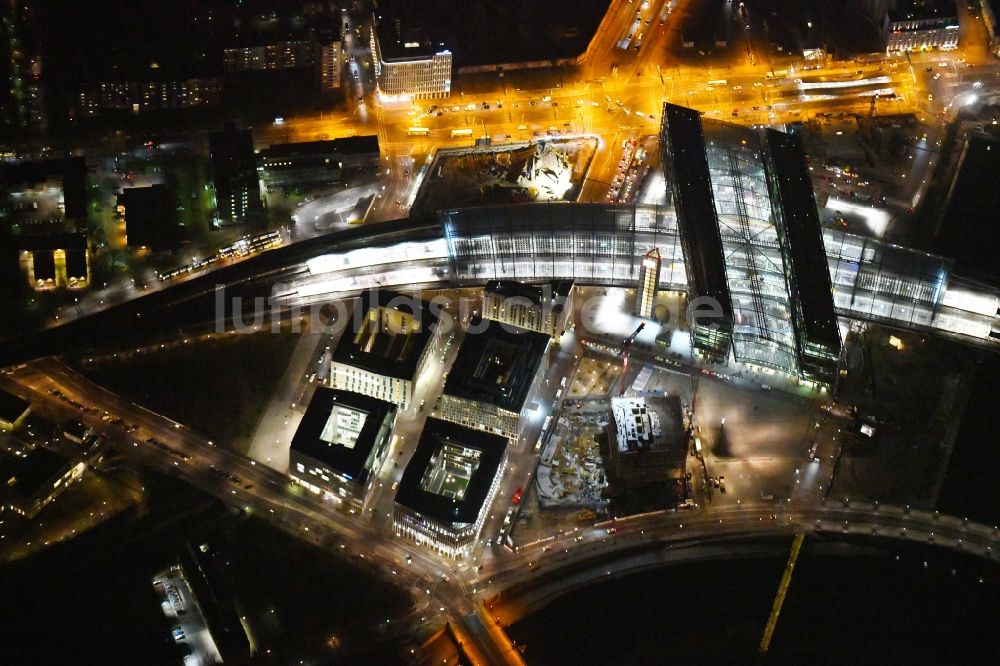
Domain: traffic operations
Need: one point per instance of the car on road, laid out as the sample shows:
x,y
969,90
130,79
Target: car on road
x,y
178,634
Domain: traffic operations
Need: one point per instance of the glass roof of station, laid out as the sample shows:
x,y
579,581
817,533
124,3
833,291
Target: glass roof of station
x,y
763,332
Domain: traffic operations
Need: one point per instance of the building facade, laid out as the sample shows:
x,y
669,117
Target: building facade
x,y
547,309
275,56
331,66
141,96
316,162
649,283
409,64
923,25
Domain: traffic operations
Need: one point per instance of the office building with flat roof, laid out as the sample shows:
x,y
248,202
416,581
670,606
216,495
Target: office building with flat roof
x,y
689,188
408,61
646,440
922,25
234,173
448,486
316,162
546,309
388,339
340,445
497,368
150,215
30,480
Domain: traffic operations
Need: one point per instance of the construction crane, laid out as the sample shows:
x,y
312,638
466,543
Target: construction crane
x,y
626,346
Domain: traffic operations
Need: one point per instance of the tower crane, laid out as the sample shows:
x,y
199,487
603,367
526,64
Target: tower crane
x,y
626,347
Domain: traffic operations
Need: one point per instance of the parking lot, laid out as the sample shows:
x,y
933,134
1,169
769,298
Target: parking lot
x,y
187,623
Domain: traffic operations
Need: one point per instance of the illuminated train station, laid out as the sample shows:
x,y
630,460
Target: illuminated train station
x,y
603,244
751,239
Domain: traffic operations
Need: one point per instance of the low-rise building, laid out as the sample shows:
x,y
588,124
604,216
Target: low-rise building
x,y
44,195
546,309
13,410
448,486
340,445
496,369
30,480
316,162
384,346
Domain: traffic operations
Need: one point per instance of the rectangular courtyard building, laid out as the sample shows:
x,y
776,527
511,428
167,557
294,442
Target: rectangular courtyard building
x,y
448,486
496,369
547,309
385,345
813,312
340,445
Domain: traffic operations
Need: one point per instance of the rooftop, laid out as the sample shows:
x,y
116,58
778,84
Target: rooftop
x,y
496,365
340,429
150,217
60,241
386,334
27,475
687,169
451,471
72,171
919,10
968,229
809,270
558,289
404,35
351,145
11,406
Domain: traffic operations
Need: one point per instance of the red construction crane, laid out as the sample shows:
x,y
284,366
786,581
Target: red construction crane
x,y
626,346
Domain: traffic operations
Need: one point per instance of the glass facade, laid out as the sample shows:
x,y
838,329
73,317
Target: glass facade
x,y
762,331
604,245
593,243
